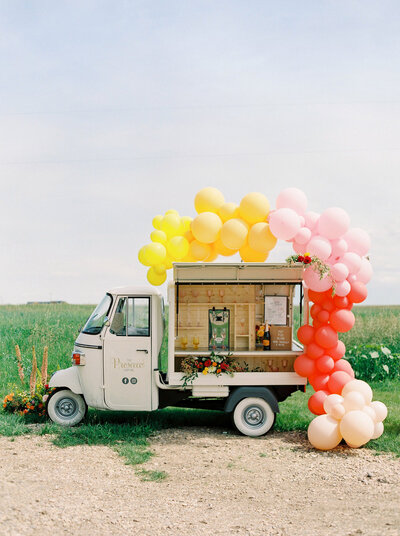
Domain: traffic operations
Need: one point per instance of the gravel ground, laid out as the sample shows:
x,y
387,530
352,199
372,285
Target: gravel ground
x,y
218,484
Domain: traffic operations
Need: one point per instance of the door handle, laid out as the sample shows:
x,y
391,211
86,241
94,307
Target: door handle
x,y
143,350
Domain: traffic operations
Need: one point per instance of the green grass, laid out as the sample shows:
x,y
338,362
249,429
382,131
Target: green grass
x,y
128,433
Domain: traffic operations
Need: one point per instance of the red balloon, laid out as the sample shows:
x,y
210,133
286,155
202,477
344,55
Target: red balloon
x,y
337,381
314,351
328,304
358,292
325,364
304,366
315,310
318,297
345,366
323,316
350,306
342,320
316,402
319,381
337,352
305,334
326,337
341,302
317,324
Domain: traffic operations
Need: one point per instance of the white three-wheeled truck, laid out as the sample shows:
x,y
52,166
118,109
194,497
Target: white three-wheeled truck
x,y
117,359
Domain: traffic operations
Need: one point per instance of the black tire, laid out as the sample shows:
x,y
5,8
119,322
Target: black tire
x,y
253,417
66,408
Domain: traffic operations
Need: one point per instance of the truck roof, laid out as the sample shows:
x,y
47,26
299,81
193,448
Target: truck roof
x,y
134,291
238,272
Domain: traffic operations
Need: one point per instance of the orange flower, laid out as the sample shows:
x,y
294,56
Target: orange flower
x,y
218,371
214,364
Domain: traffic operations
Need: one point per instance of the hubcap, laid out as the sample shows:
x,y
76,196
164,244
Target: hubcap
x,y
254,416
67,408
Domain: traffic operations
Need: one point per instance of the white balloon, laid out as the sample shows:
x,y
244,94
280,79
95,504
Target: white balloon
x,y
380,409
324,432
357,428
361,387
378,430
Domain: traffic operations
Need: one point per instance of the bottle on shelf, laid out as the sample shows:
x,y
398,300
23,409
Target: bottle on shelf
x,y
266,341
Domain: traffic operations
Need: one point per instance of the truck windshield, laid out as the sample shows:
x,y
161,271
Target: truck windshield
x,y
96,320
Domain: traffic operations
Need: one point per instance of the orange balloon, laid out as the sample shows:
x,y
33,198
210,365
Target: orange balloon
x,y
222,250
248,254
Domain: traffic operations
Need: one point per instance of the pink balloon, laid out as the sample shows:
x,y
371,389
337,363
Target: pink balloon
x,y
352,278
311,219
352,261
339,271
343,288
284,223
320,247
300,249
339,248
358,241
333,223
303,236
312,280
302,221
292,198
365,273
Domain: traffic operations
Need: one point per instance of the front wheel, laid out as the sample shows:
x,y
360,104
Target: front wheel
x,y
66,408
253,417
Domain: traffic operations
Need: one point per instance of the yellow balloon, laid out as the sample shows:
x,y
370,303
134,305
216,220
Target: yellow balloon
x,y
223,250
248,254
185,223
213,255
168,263
142,256
172,211
208,200
154,278
177,247
189,236
199,251
159,269
157,221
234,233
254,207
171,225
228,211
155,253
261,239
188,258
158,236
206,226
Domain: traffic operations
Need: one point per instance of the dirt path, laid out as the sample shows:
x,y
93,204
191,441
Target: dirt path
x,y
218,484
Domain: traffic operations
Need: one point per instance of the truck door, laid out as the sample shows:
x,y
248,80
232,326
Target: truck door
x,y
127,355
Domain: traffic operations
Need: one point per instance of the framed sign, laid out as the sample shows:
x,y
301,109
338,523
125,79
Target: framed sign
x,y
218,329
275,311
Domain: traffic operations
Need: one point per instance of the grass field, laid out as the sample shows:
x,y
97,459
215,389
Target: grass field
x,y
57,327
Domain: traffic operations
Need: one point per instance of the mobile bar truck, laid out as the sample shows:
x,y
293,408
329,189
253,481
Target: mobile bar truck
x,y
230,347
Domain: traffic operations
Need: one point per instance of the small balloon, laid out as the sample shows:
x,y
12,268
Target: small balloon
x,y
234,233
360,386
324,433
208,200
284,223
254,207
154,278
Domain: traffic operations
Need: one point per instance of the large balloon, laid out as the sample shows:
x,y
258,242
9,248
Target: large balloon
x,y
333,223
254,208
342,320
365,273
357,428
358,241
208,200
305,334
294,199
206,227
177,247
337,381
247,254
360,386
304,366
155,278
320,247
234,233
324,433
284,223
314,282
228,211
358,292
326,337
171,225
199,251
316,402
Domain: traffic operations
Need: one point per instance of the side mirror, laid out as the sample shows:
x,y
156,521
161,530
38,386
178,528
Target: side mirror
x,y
106,321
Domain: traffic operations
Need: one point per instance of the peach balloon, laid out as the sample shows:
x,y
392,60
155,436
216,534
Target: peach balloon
x,y
357,428
360,386
380,409
378,430
353,400
324,433
338,412
331,401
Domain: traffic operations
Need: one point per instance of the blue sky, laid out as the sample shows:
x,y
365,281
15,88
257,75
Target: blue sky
x,y
112,112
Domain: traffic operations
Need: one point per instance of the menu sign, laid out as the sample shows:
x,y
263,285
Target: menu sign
x,y
275,312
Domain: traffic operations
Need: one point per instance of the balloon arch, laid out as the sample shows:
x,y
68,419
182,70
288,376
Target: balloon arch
x,y
336,271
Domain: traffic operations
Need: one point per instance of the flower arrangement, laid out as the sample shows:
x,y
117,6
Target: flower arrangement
x,y
31,400
318,266
216,364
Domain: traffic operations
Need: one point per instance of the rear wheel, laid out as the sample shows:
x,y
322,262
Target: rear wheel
x,y
66,408
253,417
